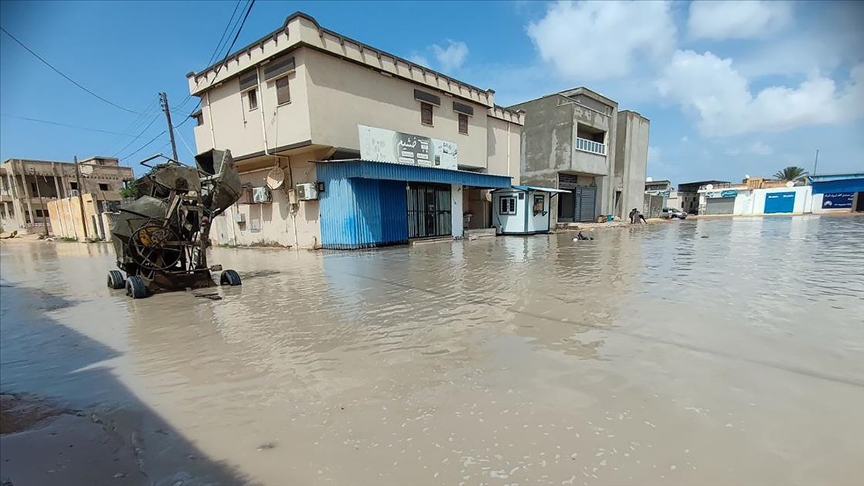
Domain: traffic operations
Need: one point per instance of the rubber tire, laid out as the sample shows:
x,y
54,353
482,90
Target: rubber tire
x,y
135,287
116,280
229,277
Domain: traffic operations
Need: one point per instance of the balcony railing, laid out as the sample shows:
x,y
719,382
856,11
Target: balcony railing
x,y
590,146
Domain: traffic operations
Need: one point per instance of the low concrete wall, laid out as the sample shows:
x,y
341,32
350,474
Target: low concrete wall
x,y
66,220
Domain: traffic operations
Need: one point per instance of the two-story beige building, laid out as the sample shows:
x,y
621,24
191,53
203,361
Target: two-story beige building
x,y
28,186
373,149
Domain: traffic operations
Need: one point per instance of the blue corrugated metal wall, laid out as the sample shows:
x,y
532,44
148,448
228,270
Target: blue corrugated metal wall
x,y
361,213
364,203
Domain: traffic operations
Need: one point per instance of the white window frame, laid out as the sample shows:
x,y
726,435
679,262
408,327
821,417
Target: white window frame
x,y
511,202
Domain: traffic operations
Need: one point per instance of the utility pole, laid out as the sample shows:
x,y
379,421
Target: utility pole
x,y
80,197
41,201
163,100
816,162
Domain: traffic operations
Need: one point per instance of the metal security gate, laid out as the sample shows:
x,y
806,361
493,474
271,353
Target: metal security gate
x,y
429,211
720,205
585,198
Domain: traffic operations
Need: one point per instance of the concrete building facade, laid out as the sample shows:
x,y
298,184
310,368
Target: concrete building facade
x,y
304,95
27,186
578,141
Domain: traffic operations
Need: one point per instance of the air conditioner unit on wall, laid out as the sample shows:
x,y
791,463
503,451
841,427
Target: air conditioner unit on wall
x,y
307,191
260,195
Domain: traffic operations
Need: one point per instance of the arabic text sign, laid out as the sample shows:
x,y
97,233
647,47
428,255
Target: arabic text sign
x,y
383,145
837,200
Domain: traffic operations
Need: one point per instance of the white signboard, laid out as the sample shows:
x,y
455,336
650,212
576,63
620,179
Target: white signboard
x,y
383,145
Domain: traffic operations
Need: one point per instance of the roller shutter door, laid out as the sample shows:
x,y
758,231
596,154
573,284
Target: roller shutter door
x,y
720,205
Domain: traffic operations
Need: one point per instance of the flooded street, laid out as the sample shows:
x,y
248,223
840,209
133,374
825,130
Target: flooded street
x,y
702,352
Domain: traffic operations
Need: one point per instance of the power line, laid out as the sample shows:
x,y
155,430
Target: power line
x,y
155,117
236,36
61,73
224,60
68,126
145,145
228,28
136,124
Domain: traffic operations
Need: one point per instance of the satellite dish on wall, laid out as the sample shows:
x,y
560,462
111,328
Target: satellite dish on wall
x,y
746,176
275,178
709,187
790,184
649,179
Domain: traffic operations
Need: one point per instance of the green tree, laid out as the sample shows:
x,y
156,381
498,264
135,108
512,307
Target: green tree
x,y
791,174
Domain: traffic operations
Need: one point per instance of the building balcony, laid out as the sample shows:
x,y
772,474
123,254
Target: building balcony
x,y
590,146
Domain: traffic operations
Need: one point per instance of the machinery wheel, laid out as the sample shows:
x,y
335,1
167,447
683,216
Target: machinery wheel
x,y
135,287
115,279
229,277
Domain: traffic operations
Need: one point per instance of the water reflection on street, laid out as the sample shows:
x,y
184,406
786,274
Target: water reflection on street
x,y
701,352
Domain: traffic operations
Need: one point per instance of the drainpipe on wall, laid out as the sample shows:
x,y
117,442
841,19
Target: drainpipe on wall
x,y
261,101
210,117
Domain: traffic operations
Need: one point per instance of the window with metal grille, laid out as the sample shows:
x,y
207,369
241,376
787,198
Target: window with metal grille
x,y
425,113
252,96
283,92
463,123
507,205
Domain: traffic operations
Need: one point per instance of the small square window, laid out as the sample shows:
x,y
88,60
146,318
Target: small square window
x,y
252,97
199,118
425,113
463,123
507,205
73,185
283,91
103,187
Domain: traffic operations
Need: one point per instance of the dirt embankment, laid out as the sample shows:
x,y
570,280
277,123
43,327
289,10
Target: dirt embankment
x,y
19,413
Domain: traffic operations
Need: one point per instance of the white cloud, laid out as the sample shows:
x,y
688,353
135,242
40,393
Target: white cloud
x,y
756,148
684,139
738,20
418,59
720,96
654,154
600,40
453,56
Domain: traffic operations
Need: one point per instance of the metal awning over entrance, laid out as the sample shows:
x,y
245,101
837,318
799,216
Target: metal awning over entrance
x,y
385,171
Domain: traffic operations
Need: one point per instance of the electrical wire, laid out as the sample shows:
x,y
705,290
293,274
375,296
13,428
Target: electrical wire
x,y
145,145
136,124
155,117
250,4
225,59
68,126
37,56
228,28
184,141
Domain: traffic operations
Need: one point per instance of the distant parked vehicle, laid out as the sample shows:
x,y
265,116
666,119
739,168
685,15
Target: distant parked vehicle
x,y
673,213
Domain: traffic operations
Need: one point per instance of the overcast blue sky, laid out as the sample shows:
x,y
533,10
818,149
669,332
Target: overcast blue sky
x,y
730,88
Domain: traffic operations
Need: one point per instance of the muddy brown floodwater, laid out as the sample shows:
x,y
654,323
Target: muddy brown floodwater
x,y
700,352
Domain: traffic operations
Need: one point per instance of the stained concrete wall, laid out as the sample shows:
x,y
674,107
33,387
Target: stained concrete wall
x,y
631,160
276,222
548,145
504,148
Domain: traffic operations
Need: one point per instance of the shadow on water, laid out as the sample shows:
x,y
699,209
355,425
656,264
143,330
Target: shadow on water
x,y
41,356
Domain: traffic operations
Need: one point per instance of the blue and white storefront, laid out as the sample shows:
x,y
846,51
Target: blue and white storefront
x,y
837,193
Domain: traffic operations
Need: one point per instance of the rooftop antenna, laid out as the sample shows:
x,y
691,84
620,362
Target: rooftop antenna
x,y
816,162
